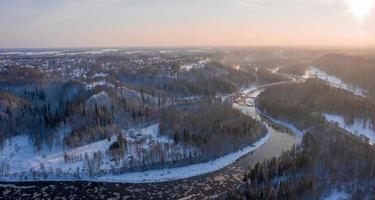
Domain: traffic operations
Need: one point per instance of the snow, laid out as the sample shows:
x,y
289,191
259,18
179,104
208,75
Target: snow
x,y
153,132
20,155
357,128
275,70
15,186
337,195
99,83
183,172
188,67
200,64
291,127
102,98
165,51
248,91
222,97
132,52
333,81
133,94
100,75
99,51
142,144
78,73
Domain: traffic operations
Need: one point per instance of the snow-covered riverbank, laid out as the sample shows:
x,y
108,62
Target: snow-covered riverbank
x,y
358,128
289,126
183,172
314,72
159,175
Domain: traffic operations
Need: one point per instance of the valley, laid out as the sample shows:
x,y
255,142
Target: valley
x,y
191,127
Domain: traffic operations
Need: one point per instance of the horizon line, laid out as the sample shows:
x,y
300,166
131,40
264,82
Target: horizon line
x,y
194,46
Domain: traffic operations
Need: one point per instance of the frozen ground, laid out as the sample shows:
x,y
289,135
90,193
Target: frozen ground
x,y
358,128
332,80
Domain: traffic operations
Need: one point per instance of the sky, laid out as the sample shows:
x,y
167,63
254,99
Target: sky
x,y
128,23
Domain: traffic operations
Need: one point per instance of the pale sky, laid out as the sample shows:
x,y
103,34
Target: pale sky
x,y
122,23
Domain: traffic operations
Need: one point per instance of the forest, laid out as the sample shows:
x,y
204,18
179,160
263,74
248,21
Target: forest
x,y
354,69
323,163
303,104
296,69
134,119
216,129
208,80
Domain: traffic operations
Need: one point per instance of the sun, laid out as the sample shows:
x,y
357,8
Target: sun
x,y
360,8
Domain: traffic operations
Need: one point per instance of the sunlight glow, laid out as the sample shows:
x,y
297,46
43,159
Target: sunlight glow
x,y
360,8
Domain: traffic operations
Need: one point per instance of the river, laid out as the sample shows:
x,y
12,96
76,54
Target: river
x,y
197,187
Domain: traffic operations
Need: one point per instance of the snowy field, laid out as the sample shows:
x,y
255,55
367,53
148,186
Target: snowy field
x,y
144,145
21,156
19,153
333,81
183,172
358,128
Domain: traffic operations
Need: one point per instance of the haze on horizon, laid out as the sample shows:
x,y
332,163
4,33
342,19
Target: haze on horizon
x,y
118,23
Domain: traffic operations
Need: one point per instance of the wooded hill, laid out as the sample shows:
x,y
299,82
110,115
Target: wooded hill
x,y
216,129
323,163
355,69
303,104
